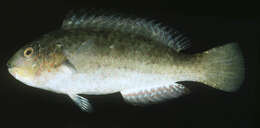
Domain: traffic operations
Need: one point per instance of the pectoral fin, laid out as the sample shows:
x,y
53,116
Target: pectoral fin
x,y
82,102
152,95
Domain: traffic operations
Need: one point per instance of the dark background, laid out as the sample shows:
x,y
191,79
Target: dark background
x,y
207,26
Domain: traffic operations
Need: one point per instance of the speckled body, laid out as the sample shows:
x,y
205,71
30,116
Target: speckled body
x,y
116,54
140,59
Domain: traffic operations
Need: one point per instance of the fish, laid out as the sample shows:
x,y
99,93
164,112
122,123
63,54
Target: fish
x,y
143,60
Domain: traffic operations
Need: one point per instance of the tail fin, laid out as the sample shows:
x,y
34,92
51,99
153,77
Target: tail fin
x,y
224,67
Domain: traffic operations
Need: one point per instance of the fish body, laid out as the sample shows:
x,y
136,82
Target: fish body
x,y
103,55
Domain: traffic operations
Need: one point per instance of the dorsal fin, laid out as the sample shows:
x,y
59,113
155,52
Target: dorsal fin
x,y
149,29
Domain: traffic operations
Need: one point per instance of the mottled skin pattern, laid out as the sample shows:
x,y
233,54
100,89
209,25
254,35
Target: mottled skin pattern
x,y
43,58
88,50
97,54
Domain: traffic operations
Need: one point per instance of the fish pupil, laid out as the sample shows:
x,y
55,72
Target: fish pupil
x,y
28,52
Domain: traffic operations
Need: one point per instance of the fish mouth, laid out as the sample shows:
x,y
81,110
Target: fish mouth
x,y
11,71
10,63
18,76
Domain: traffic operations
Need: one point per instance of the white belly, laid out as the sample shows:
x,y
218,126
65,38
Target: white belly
x,y
104,81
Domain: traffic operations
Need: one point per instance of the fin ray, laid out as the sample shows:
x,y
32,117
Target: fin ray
x,y
225,67
155,31
82,102
152,95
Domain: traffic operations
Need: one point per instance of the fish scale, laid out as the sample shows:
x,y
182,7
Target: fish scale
x,y
104,54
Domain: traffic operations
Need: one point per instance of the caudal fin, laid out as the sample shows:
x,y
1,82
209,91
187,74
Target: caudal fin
x,y
224,67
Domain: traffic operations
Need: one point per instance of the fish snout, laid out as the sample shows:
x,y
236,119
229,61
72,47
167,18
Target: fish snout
x,y
9,64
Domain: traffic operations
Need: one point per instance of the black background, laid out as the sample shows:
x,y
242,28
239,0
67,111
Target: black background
x,y
207,26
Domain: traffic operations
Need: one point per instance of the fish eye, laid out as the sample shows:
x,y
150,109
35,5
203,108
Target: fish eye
x,y
28,52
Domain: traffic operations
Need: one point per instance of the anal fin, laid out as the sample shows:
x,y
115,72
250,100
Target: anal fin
x,y
152,95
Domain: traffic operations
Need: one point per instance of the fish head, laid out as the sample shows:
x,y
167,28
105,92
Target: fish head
x,y
22,64
33,63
